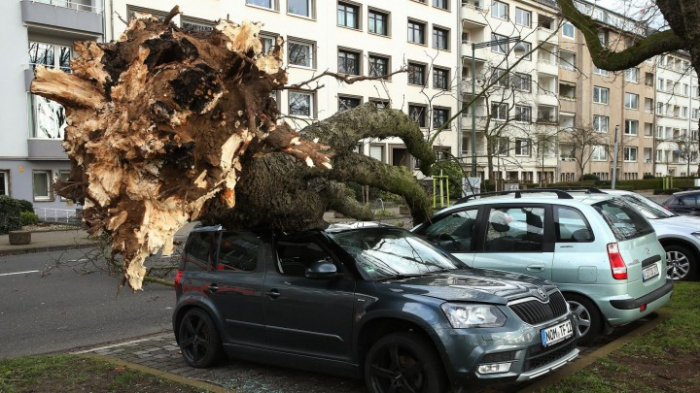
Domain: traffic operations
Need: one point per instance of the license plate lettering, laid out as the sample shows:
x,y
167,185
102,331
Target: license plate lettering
x,y
650,272
555,334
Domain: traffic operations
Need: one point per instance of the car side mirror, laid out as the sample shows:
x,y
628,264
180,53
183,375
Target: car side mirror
x,y
322,269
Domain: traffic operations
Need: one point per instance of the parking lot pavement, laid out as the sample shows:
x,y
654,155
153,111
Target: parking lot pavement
x,y
160,355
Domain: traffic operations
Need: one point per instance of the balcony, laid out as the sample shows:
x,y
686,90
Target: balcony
x,y
45,149
547,35
474,13
74,15
547,66
480,53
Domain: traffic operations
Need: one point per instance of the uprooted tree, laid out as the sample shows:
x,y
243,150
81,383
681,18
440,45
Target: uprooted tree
x,y
167,126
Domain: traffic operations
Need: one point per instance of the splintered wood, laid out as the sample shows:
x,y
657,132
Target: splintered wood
x,y
159,123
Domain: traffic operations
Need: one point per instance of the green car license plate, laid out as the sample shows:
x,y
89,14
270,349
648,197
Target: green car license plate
x,y
555,334
650,272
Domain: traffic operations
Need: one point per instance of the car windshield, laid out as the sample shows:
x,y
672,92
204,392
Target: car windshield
x,y
624,220
647,207
385,253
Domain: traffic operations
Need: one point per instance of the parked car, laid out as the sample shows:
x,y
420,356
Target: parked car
x,y
684,203
601,252
366,300
679,235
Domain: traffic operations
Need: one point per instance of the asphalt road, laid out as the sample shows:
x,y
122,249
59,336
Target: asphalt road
x,y
66,310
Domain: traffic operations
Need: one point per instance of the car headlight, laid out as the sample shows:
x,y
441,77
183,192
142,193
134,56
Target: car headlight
x,y
463,316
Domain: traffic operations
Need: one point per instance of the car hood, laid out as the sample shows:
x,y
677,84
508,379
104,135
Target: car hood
x,y
676,224
474,285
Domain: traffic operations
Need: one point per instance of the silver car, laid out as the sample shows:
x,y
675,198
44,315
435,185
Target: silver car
x,y
679,235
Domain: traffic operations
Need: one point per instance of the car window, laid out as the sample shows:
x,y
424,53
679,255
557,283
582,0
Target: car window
x,y
293,257
454,233
647,207
571,226
238,252
515,229
384,253
687,200
199,250
624,221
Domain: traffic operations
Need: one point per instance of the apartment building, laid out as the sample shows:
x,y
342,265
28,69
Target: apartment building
x,y
38,32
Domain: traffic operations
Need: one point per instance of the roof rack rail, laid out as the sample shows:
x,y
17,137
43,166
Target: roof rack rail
x,y
587,189
561,194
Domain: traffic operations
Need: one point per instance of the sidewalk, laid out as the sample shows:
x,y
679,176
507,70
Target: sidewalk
x,y
44,241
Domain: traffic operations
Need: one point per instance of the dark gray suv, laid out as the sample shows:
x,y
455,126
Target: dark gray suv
x,y
365,300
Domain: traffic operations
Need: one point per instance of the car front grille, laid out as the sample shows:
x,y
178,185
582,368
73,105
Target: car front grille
x,y
535,312
537,356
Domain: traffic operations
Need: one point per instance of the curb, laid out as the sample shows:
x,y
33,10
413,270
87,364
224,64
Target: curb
x,y
162,374
62,247
589,359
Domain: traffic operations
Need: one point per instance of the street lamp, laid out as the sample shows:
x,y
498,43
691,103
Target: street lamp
x,y
519,49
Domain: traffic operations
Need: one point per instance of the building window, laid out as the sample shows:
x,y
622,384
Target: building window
x,y
601,123
378,22
522,82
49,55
48,118
416,32
377,152
601,95
567,30
441,38
269,4
632,75
522,147
416,74
379,103
346,102
600,153
417,114
4,183
440,117
441,78
631,127
523,113
499,10
522,17
301,104
567,60
527,51
197,25
441,4
301,53
630,154
349,15
501,48
348,62
648,129
499,77
499,111
268,42
648,79
378,65
300,7
599,71
631,101
42,185
696,113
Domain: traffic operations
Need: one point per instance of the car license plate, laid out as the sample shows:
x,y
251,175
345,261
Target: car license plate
x,y
650,272
555,334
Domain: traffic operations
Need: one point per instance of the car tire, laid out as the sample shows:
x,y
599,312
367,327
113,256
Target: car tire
x,y
404,362
199,339
681,263
590,322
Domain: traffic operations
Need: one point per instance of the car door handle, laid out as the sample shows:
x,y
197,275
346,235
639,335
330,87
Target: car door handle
x,y
535,268
213,288
273,294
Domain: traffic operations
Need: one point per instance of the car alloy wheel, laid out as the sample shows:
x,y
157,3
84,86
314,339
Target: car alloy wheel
x,y
589,320
680,264
199,341
403,362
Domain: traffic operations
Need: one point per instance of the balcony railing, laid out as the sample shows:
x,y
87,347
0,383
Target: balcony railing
x,y
70,4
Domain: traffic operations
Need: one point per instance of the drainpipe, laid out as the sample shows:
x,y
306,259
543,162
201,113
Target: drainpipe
x,y
459,87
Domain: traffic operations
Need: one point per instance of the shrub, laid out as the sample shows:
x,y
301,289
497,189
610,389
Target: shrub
x,y
25,206
649,176
28,218
590,176
9,214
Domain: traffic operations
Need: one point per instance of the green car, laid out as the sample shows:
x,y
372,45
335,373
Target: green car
x,y
601,252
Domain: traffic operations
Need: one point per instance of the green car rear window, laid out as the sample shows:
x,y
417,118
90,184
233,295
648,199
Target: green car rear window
x,y
625,222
